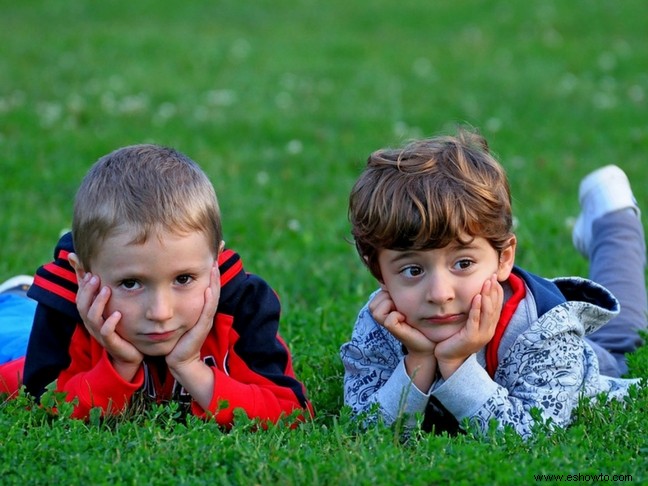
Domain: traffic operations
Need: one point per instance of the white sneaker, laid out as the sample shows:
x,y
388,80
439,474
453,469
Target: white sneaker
x,y
603,191
18,284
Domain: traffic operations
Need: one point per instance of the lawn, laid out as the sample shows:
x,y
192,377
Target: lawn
x,y
281,102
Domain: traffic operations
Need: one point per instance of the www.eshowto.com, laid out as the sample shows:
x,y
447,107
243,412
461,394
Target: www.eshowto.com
x,y
579,477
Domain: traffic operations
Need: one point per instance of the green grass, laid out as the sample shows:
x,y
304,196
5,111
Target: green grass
x,y
281,102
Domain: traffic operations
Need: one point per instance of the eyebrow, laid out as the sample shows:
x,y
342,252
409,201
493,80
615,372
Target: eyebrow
x,y
453,246
457,245
403,255
129,274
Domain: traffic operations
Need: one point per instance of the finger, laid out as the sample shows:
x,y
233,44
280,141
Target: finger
x,y
488,293
413,339
214,282
498,291
212,296
115,345
110,324
394,319
381,307
378,299
475,314
491,306
382,310
88,288
394,322
96,311
206,318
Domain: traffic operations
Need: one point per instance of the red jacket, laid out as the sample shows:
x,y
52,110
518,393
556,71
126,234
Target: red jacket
x,y
251,363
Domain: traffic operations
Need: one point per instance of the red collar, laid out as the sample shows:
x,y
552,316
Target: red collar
x,y
519,291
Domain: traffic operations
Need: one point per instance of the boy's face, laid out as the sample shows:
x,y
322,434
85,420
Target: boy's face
x,y
434,288
157,286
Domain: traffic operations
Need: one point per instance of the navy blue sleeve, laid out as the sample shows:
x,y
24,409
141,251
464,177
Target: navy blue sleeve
x,y
56,317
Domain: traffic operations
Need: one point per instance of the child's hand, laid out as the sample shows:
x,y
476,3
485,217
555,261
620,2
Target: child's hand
x,y
384,312
480,327
420,362
91,301
184,360
187,349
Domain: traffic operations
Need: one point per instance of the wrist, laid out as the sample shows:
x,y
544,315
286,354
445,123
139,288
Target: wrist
x,y
448,367
180,369
197,378
126,369
416,360
421,368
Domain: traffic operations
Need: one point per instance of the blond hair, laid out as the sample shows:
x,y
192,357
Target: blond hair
x,y
145,189
428,194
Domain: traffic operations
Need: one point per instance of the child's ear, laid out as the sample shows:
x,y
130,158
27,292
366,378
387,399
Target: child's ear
x,y
77,266
506,260
221,247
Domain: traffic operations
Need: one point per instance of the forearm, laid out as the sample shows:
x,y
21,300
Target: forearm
x,y
376,373
395,393
126,370
262,400
421,369
100,386
47,351
448,367
470,393
197,379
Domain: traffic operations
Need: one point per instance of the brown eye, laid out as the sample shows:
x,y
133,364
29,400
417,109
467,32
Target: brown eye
x,y
129,284
184,279
412,271
463,264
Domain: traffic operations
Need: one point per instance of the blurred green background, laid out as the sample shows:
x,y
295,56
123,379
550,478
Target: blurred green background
x,y
282,101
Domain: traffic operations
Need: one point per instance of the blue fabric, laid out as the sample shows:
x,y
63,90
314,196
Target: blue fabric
x,y
16,317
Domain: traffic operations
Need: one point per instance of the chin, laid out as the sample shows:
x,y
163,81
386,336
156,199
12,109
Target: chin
x,y
438,335
159,350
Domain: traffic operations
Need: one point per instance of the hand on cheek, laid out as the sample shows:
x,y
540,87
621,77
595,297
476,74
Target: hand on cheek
x,y
187,349
420,363
480,327
92,300
184,361
385,313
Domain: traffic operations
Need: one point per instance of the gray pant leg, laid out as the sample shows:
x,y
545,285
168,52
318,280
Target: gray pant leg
x,y
617,261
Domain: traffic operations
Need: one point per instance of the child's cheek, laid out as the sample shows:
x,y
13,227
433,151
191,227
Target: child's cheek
x,y
112,306
193,309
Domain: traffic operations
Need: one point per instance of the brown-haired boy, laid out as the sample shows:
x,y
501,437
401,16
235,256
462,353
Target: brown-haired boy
x,y
456,330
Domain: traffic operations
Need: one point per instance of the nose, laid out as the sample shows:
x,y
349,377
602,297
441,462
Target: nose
x,y
439,288
160,306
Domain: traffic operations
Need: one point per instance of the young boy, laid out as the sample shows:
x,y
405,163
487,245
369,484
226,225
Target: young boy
x,y
456,330
142,300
